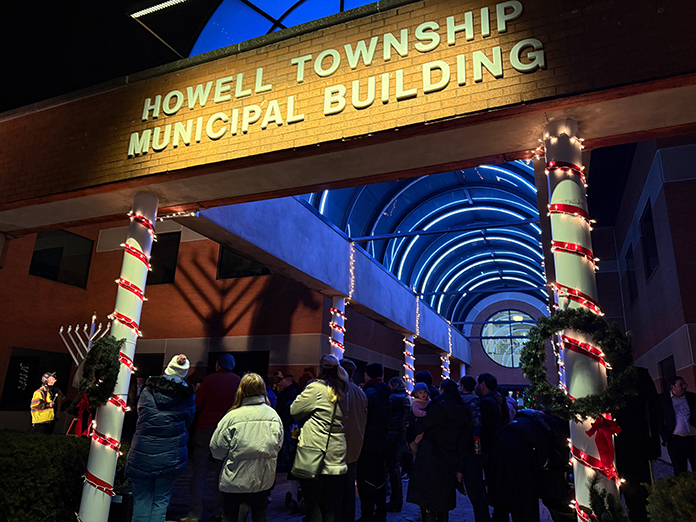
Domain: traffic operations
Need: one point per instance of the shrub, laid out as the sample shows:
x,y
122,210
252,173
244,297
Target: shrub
x,y
41,476
673,499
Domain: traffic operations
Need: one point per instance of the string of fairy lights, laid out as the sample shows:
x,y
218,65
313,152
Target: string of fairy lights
x,y
562,291
127,321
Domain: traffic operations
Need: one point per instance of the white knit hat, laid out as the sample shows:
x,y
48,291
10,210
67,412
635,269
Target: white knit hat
x,y
179,366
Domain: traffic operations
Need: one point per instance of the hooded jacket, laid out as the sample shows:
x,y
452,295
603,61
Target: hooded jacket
x,y
248,440
315,405
165,410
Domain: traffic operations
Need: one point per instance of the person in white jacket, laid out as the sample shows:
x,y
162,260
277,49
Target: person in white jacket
x,y
247,439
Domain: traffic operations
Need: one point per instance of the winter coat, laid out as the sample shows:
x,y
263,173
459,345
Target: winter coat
x,y
400,407
474,405
530,461
378,408
446,431
285,399
165,410
248,440
315,405
215,397
494,415
355,424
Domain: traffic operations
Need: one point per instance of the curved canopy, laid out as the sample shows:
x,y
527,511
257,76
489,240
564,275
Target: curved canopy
x,y
236,21
454,237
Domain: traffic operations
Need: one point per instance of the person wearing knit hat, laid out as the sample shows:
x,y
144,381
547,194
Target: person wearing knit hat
x,y
178,366
159,448
418,405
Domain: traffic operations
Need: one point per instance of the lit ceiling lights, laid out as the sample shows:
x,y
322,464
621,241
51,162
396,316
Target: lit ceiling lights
x,y
157,7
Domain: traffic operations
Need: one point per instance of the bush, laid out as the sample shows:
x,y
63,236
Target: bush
x,y
41,478
673,499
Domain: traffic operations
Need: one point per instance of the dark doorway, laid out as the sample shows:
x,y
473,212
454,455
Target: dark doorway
x,y
246,362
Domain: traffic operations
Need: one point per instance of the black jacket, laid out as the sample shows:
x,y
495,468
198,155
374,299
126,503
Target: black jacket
x,y
669,419
640,420
530,461
400,407
378,408
494,415
446,429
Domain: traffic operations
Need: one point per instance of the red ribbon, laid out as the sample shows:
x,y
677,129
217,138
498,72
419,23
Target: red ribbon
x,y
602,430
573,210
83,406
99,484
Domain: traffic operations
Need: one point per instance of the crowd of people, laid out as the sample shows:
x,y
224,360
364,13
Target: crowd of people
x,y
464,436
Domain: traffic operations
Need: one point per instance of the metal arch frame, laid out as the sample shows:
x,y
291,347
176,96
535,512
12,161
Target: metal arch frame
x,y
458,303
412,242
441,276
473,234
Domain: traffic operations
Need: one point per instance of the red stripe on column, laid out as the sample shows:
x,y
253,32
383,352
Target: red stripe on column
x,y
127,285
124,359
592,462
578,347
578,297
126,321
137,254
573,248
99,484
560,208
142,220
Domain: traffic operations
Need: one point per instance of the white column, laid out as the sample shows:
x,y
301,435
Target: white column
x,y
409,362
338,326
105,444
445,357
582,373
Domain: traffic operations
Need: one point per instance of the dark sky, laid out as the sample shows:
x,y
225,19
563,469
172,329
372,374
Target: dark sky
x,y
55,47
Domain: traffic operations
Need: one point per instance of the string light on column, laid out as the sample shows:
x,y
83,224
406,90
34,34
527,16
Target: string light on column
x,y
410,360
142,220
352,273
417,316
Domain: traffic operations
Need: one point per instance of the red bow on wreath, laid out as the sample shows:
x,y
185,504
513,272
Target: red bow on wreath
x,y
83,406
602,429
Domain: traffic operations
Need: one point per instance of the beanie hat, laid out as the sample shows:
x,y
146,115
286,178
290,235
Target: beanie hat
x,y
374,370
424,376
178,366
226,361
420,386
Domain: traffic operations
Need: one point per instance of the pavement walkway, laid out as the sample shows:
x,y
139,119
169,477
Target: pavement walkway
x,y
277,511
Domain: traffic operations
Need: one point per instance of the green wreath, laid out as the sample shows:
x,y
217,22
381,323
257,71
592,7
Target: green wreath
x,y
100,370
618,353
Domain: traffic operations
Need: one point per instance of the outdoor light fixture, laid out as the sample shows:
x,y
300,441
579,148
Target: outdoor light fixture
x,y
157,7
517,318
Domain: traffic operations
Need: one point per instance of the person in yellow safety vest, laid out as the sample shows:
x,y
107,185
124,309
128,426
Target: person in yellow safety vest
x,y
43,416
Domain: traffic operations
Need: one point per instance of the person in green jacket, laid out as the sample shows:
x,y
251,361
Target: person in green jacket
x,y
323,404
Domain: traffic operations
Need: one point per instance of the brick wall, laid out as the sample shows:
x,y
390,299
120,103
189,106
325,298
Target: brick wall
x,y
84,143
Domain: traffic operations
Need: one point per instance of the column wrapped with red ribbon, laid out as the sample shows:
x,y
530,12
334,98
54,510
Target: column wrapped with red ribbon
x,y
602,430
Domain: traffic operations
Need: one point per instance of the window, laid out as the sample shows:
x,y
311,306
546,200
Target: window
x,y
165,252
232,264
667,370
648,241
62,256
630,275
504,335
